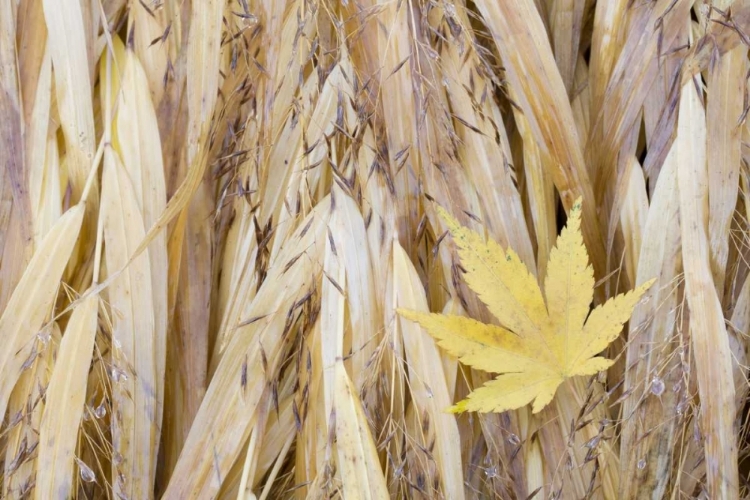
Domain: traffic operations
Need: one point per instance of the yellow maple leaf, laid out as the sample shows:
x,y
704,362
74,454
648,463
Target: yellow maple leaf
x,y
541,342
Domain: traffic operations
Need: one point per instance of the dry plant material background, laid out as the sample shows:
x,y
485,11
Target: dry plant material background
x,y
211,211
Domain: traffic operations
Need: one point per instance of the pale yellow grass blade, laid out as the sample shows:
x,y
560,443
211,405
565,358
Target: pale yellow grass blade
x,y
314,433
566,24
42,158
427,379
531,71
651,30
137,141
31,49
68,48
727,81
484,149
357,452
332,318
64,407
738,342
395,60
27,400
150,33
202,74
254,350
347,233
33,298
12,123
633,217
541,189
651,350
610,21
707,329
134,364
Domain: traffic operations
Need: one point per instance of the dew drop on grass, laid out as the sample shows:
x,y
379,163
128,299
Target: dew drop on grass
x,y
100,411
87,475
514,440
44,336
491,471
657,386
117,375
641,464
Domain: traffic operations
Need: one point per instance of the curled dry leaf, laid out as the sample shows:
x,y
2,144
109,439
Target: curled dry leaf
x,y
543,340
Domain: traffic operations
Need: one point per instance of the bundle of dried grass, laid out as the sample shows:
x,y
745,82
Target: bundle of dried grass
x,y
209,212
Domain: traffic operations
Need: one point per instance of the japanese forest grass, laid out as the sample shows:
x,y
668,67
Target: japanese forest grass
x,y
212,211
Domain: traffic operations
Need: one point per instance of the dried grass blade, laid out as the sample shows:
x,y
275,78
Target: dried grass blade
x,y
428,380
707,329
648,430
610,21
138,143
42,157
485,153
653,27
33,298
64,407
151,31
134,364
357,453
725,101
203,61
12,122
522,41
566,26
252,354
27,399
68,47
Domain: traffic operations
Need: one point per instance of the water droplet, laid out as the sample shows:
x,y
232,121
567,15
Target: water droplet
x,y
100,411
117,375
87,475
491,471
44,336
657,386
641,464
681,406
514,440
